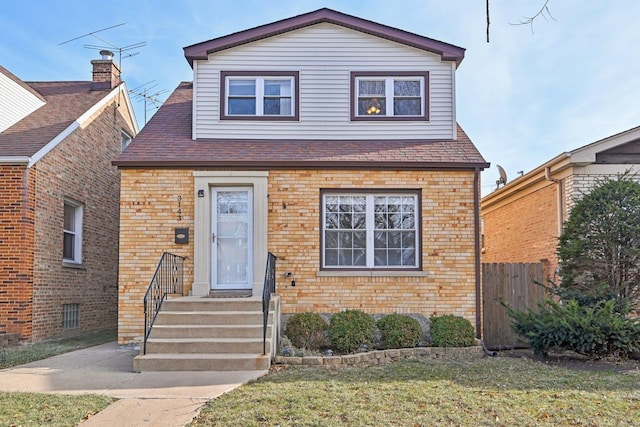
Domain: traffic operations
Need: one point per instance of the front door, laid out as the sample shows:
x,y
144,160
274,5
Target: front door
x,y
232,238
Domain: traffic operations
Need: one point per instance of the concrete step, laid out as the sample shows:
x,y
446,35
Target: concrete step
x,y
166,317
206,345
208,331
212,304
201,362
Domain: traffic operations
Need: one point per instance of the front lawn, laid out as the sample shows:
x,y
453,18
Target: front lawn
x,y
501,391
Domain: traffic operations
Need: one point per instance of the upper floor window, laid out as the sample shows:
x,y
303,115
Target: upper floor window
x,y
259,95
370,230
399,96
125,140
72,241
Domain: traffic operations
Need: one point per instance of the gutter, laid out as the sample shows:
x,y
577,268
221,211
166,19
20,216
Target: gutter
x,y
478,266
15,160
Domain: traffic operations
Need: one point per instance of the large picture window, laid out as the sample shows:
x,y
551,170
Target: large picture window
x,y
370,230
72,232
401,96
266,96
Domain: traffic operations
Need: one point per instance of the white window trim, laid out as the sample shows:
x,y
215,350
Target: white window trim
x,y
259,95
125,140
370,230
77,232
389,95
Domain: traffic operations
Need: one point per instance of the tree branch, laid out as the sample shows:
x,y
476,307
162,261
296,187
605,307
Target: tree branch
x,y
528,20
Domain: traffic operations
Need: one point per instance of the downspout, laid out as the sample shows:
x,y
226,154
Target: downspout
x,y
559,202
476,220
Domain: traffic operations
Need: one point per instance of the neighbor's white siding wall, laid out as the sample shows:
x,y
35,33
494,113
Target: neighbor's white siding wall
x,y
15,102
324,54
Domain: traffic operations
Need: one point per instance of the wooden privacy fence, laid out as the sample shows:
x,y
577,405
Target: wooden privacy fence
x,y
519,287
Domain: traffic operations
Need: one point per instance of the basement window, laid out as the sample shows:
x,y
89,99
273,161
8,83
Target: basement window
x,y
70,316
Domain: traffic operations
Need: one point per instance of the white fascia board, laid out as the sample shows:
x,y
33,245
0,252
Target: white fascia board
x,y
454,101
194,99
14,160
73,126
127,99
587,153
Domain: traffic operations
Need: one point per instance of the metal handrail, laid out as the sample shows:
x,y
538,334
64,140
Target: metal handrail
x,y
168,279
269,288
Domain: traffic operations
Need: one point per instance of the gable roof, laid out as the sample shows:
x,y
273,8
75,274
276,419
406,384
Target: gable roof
x,y
447,52
166,142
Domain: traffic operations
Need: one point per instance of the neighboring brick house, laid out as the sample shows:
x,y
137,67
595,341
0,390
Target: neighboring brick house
x,y
523,219
60,196
292,140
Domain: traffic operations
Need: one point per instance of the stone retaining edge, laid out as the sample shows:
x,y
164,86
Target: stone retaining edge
x,y
380,357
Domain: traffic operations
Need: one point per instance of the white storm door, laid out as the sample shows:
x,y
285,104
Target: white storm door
x,y
232,238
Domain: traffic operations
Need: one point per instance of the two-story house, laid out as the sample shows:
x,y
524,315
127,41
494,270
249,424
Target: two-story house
x,y
59,202
327,140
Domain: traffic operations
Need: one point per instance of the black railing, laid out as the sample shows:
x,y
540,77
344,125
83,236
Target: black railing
x,y
166,280
269,288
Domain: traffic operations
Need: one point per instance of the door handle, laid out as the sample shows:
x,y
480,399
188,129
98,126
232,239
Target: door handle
x,y
213,237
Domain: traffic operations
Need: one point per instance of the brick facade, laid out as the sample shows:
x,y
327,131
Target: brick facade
x,y
78,168
524,230
16,249
155,201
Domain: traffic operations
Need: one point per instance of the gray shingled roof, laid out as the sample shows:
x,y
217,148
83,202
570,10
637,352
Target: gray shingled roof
x,y
65,102
166,142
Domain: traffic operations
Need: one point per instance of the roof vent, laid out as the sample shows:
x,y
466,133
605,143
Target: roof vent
x,y
106,54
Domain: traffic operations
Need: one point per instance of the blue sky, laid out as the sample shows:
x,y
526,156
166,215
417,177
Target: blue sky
x,y
523,98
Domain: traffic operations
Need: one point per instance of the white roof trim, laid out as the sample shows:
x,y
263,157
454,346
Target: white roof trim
x,y
14,160
587,153
77,123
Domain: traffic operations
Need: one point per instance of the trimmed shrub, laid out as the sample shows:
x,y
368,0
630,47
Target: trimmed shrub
x,y
399,331
350,329
306,330
594,331
451,331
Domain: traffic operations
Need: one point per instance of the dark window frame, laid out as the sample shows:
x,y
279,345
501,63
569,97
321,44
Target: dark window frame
x,y
224,75
372,191
353,95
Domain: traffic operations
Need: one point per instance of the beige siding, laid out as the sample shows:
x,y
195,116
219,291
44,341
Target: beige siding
x,y
324,55
15,102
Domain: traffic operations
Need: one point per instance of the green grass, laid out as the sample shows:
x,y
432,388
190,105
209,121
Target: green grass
x,y
35,409
487,392
25,353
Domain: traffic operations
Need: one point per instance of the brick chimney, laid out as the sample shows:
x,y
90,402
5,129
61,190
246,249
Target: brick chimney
x,y
106,74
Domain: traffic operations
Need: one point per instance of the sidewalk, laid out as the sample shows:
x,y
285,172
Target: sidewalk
x,y
146,399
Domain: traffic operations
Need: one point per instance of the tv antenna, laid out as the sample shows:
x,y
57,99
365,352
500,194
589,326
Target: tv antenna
x,y
503,177
124,51
144,93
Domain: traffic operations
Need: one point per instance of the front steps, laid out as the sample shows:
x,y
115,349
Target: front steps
x,y
209,334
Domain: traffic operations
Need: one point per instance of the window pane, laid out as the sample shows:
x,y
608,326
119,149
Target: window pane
x,y
242,87
242,106
380,257
359,221
277,106
406,88
360,239
359,258
371,87
345,257
68,246
331,240
331,220
331,257
69,217
277,87
409,257
406,107
380,239
394,257
372,106
394,239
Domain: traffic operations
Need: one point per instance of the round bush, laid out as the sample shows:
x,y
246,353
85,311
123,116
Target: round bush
x,y
306,330
399,331
350,329
451,331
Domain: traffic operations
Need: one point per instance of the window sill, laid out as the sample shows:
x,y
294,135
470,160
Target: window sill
x,y
371,273
77,266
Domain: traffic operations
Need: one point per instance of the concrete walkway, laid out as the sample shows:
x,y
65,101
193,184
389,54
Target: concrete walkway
x,y
146,399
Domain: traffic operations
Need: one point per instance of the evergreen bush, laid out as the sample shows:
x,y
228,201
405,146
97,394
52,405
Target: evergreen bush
x,y
451,331
351,329
306,330
399,331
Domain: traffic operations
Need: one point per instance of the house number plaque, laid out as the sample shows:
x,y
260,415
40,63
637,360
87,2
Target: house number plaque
x,y
179,210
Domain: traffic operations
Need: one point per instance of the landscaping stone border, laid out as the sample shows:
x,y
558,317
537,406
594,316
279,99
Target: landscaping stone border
x,y
379,357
